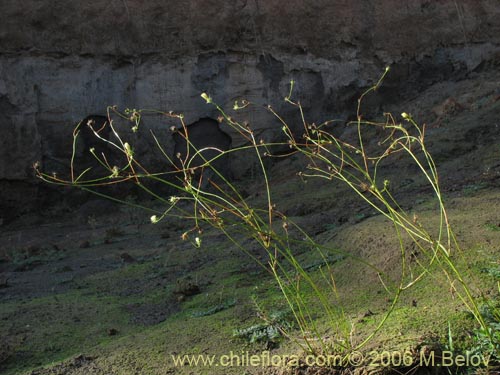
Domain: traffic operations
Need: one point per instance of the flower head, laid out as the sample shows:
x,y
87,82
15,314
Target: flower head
x,y
206,97
197,241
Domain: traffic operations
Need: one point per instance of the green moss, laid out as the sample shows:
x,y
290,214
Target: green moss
x,y
58,326
64,325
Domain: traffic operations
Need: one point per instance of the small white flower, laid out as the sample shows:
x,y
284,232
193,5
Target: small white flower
x,y
206,97
405,115
197,241
128,149
154,219
115,172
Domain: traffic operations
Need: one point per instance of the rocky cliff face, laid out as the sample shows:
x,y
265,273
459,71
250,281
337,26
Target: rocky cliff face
x,y
63,60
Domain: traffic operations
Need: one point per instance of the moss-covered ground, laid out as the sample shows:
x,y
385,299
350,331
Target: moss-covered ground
x,y
132,316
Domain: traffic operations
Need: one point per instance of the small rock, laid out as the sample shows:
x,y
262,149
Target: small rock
x,y
33,250
449,107
112,332
186,288
84,244
368,313
82,359
127,258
